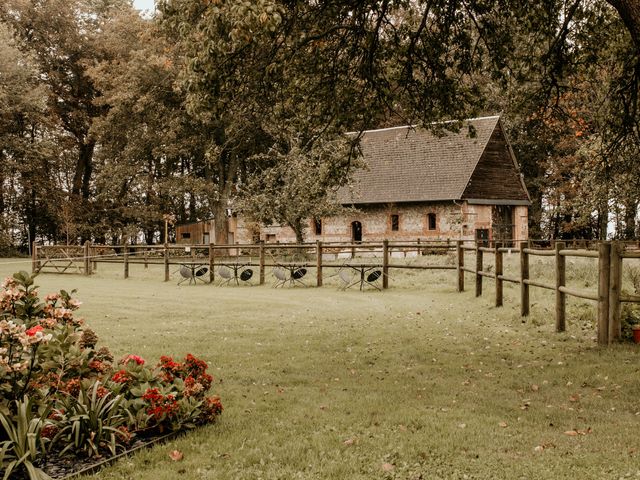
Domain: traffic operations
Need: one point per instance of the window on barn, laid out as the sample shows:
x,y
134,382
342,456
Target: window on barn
x,y
395,223
317,223
186,235
431,221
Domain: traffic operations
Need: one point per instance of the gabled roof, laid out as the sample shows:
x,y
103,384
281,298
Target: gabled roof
x,y
407,164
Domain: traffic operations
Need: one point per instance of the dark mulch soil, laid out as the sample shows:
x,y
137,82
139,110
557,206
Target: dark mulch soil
x,y
58,467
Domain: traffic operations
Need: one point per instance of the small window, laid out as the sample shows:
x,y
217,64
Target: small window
x,y
318,226
186,235
431,221
395,223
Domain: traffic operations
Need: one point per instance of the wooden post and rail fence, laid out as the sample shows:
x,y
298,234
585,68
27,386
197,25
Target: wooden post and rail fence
x,y
84,259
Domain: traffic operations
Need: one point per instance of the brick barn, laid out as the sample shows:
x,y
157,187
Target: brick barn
x,y
420,185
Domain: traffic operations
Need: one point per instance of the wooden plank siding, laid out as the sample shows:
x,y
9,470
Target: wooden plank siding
x,y
192,232
496,177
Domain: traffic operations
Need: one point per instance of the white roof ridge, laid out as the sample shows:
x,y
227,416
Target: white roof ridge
x,y
488,117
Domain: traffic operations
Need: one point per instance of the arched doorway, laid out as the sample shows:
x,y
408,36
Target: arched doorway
x,y
356,231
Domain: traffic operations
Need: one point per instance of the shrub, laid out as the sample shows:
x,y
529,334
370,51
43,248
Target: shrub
x,y
61,392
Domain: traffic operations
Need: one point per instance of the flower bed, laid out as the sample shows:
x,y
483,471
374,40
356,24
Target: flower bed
x,y
64,398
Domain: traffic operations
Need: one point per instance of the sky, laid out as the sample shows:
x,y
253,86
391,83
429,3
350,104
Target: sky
x,y
143,4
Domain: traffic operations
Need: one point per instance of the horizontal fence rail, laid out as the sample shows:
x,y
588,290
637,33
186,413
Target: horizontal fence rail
x,y
608,295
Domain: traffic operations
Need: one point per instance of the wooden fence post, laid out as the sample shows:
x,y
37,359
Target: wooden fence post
x,y
145,257
87,262
385,264
92,254
561,298
166,262
615,285
319,262
125,248
212,275
604,272
499,269
460,252
524,275
478,270
34,257
261,262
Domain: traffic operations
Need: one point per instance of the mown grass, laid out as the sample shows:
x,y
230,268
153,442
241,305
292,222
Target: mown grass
x,y
417,382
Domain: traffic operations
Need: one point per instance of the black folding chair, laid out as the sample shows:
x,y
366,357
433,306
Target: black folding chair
x,y
246,275
373,278
298,275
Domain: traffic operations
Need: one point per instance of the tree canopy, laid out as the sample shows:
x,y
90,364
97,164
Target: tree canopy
x,y
109,120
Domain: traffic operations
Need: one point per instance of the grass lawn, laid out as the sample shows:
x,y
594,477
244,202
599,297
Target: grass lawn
x,y
417,382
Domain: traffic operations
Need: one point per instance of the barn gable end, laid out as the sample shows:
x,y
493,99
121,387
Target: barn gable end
x,y
496,176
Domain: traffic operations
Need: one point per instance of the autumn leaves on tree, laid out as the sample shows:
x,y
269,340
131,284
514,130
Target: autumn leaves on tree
x,y
110,120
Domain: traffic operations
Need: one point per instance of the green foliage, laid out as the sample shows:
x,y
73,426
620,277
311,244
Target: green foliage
x,y
91,422
295,182
49,362
629,318
25,443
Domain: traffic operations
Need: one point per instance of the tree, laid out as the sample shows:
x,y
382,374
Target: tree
x,y
63,38
152,152
296,182
31,153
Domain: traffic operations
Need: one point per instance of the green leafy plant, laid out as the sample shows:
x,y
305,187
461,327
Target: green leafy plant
x,y
24,444
92,422
49,358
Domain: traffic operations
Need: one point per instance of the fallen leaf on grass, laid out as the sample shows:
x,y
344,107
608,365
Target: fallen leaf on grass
x,y
544,446
575,433
534,388
387,467
574,398
176,455
503,424
350,441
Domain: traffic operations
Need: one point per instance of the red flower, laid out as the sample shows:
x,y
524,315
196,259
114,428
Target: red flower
x,y
121,376
212,407
97,366
135,358
170,369
49,431
102,392
152,394
33,330
73,386
160,407
125,434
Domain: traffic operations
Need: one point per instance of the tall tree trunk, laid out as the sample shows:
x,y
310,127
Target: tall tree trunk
x,y
2,177
603,221
221,222
630,212
84,169
298,228
629,11
86,151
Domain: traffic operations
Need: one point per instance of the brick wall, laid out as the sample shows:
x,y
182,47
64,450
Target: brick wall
x,y
452,221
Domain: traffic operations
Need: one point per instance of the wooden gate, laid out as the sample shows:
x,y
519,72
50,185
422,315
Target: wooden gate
x,y
60,259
